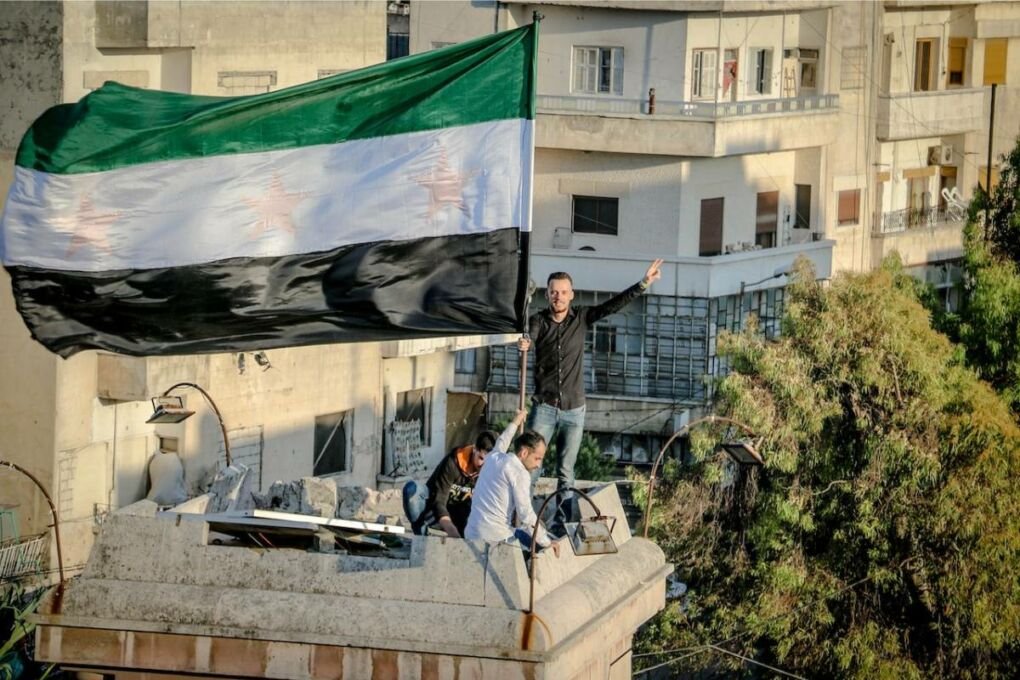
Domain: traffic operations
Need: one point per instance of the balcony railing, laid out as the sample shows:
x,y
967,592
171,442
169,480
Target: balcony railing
x,y
923,218
685,110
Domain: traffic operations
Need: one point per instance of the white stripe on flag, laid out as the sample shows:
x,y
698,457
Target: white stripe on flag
x,y
446,182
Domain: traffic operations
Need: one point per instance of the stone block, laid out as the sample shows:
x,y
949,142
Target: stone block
x,y
233,489
305,496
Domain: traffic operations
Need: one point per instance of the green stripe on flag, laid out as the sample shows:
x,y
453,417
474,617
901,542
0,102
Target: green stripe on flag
x,y
490,78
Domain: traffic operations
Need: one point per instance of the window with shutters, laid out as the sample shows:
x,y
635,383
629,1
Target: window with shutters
x,y
957,60
995,61
767,219
924,65
849,207
598,70
711,240
703,74
761,73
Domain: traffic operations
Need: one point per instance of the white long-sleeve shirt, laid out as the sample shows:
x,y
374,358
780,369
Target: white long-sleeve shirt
x,y
503,487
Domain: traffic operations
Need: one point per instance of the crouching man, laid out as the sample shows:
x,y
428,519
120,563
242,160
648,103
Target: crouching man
x,y
445,503
503,489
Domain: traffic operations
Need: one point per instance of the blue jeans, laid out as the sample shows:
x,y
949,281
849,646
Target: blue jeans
x,y
568,428
415,497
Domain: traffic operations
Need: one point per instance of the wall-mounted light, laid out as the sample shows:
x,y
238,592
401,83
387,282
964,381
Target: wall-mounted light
x,y
169,410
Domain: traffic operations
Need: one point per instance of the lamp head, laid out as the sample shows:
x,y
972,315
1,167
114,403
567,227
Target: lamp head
x,y
743,452
168,410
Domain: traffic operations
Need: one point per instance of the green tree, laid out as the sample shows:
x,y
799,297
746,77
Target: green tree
x,y
882,537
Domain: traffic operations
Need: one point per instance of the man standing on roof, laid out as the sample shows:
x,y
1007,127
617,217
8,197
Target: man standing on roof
x,y
558,407
503,492
452,484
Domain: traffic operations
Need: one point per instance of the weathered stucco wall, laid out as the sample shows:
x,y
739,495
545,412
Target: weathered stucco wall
x,y
30,82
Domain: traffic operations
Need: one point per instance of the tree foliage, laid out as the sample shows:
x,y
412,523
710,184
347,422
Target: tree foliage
x,y
988,322
881,538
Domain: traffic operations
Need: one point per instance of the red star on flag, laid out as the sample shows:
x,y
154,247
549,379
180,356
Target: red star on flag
x,y
90,227
445,185
276,208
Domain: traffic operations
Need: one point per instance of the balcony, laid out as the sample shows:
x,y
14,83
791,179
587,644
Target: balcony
x,y
919,236
706,277
913,115
694,128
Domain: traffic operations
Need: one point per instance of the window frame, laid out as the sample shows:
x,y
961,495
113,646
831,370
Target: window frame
x,y
849,220
958,46
407,402
761,74
599,200
340,433
766,232
595,70
924,79
698,72
702,251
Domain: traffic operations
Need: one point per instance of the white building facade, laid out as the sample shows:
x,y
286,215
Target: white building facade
x,y
731,138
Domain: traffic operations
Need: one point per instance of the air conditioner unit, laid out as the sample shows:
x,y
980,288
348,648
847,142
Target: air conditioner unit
x,y
941,154
562,237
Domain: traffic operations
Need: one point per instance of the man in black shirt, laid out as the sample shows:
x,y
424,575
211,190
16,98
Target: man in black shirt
x,y
558,334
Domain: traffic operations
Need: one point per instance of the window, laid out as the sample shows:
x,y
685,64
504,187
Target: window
x,y
995,61
466,361
397,45
605,338
596,215
761,74
236,83
417,405
849,209
767,219
957,59
598,70
703,75
808,68
332,440
924,65
711,227
729,79
803,215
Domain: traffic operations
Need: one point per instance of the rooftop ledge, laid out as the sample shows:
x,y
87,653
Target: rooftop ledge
x,y
156,597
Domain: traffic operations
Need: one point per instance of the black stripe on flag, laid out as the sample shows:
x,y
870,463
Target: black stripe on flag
x,y
431,287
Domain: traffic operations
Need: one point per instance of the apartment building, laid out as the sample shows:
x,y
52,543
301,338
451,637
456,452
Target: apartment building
x,y
79,425
731,138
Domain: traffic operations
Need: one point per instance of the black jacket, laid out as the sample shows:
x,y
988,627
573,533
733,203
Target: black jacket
x,y
559,349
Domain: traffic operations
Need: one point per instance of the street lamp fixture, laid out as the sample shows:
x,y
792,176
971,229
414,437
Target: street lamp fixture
x,y
742,451
170,409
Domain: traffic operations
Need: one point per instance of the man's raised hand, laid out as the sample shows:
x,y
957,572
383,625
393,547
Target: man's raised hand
x,y
653,274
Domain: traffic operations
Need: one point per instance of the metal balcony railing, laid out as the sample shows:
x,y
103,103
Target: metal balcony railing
x,y
919,218
704,110
22,557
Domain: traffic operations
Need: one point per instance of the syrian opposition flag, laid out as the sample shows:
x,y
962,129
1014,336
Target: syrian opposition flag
x,y
386,203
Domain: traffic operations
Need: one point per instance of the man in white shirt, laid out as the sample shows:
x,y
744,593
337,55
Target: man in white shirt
x,y
503,488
